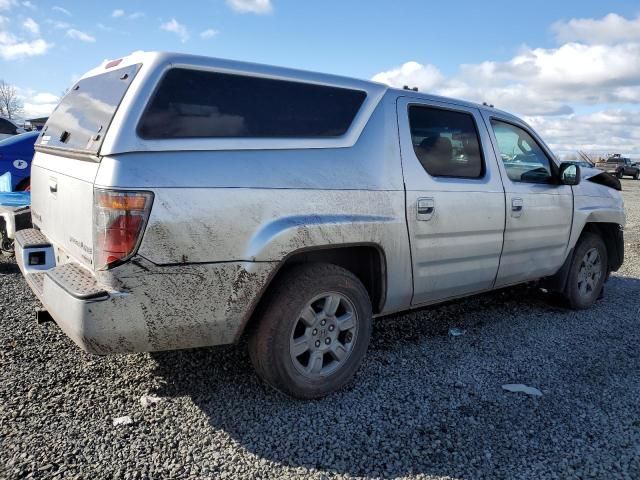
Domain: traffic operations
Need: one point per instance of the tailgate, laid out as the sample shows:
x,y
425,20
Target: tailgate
x,y
62,204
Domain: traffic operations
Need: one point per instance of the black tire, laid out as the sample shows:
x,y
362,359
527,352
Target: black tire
x,y
270,343
6,245
581,293
620,173
636,175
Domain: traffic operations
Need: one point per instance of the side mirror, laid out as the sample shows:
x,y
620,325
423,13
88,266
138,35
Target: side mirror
x,y
569,173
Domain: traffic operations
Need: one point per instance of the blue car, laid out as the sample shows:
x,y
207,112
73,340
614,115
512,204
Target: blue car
x,y
16,153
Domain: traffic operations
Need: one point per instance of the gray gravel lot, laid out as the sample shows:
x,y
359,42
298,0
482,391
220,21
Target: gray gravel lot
x,y
424,404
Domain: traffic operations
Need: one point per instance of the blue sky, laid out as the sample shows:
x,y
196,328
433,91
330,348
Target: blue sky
x,y
470,49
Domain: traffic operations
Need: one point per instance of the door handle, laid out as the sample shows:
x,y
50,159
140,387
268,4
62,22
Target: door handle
x,y
426,207
517,206
53,186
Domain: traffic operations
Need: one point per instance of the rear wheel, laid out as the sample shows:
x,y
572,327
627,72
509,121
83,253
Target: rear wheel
x,y
314,331
636,175
588,272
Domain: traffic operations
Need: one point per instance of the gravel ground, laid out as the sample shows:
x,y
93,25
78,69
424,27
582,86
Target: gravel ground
x,y
423,405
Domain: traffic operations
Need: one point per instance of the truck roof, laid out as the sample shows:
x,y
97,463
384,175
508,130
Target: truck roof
x,y
159,58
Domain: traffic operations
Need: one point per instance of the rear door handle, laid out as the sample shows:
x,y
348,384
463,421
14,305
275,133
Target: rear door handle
x,y
426,207
517,206
53,186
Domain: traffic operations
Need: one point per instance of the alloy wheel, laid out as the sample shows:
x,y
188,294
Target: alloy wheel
x,y
324,335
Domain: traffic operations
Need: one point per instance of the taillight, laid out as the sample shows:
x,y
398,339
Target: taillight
x,y
119,220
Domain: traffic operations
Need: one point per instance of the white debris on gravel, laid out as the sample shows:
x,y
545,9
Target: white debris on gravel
x,y
126,420
521,388
149,400
456,332
422,406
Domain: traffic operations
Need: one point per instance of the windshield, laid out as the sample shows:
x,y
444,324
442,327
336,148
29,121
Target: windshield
x,y
83,116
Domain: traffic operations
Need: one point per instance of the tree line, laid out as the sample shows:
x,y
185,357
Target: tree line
x,y
10,103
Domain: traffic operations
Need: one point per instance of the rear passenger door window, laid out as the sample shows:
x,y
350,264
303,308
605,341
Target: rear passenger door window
x,y
446,142
523,159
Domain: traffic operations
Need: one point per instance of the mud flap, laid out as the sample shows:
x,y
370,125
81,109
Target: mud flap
x,y
558,281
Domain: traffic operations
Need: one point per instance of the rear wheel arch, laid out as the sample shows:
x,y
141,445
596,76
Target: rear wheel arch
x,y
366,261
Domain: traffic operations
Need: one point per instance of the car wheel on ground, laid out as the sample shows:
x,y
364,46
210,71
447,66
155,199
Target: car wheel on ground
x,y
6,244
587,273
636,175
313,332
620,174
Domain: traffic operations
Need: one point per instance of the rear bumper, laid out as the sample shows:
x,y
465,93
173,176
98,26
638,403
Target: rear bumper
x,y
140,306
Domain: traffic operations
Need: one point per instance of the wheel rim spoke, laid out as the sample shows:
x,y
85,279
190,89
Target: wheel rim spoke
x,y
345,322
300,345
308,316
339,352
315,362
331,304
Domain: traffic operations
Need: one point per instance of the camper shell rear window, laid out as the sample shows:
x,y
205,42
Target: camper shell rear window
x,y
81,119
203,104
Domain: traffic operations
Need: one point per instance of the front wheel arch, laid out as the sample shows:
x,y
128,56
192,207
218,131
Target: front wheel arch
x,y
611,235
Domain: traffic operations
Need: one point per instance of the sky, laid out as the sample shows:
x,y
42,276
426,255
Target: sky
x,y
570,68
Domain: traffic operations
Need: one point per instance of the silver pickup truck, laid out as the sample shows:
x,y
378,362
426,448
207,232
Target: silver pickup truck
x,y
180,201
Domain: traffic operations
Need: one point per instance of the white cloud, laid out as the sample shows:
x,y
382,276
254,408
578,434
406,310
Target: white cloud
x,y
64,11
78,35
31,26
536,81
605,131
209,33
119,13
609,29
175,27
28,4
259,7
6,4
13,48
58,24
38,104
411,74
596,71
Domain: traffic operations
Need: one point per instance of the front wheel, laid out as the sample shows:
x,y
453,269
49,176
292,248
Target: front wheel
x,y
636,175
587,273
314,331
620,174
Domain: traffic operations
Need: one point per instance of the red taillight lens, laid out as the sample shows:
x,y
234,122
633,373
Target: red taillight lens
x,y
119,221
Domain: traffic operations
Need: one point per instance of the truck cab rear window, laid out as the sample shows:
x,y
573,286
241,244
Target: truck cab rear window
x,y
199,104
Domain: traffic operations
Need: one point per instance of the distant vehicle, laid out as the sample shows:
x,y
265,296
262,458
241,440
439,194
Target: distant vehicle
x,y
620,166
16,153
580,163
8,128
